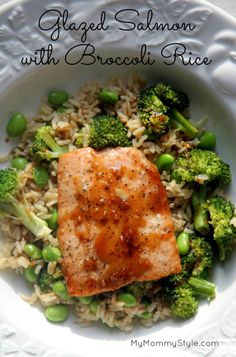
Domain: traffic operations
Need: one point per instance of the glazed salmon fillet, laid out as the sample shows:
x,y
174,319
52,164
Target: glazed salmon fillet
x,y
115,225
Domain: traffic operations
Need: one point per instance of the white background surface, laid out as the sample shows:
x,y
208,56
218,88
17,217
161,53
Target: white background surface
x,y
227,5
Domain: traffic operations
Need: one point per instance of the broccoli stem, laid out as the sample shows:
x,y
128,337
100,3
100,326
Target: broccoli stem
x,y
178,121
35,224
202,287
200,216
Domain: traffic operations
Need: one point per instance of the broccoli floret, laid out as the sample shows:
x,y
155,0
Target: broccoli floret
x,y
198,262
105,131
45,279
221,213
183,304
11,206
44,146
158,108
201,162
200,216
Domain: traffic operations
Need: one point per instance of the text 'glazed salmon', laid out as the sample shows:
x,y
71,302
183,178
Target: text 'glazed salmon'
x,y
115,225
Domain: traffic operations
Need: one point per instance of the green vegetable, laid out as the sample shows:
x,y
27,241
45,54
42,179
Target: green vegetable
x,y
86,300
29,274
182,303
137,289
128,299
11,206
16,125
19,163
107,96
59,288
33,251
164,162
200,216
51,254
224,232
45,280
201,162
40,176
105,131
201,287
44,146
53,220
145,315
94,306
207,141
61,110
159,108
56,313
183,243
57,98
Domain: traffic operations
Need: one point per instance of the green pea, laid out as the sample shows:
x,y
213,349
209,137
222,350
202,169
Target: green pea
x,y
128,299
61,110
32,251
145,315
164,162
56,313
86,300
60,289
51,254
108,96
29,274
16,125
40,176
19,163
57,97
207,141
53,220
183,243
94,306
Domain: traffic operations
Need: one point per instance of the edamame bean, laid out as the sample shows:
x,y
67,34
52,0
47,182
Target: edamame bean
x,y
53,220
145,315
164,162
183,243
207,141
29,274
86,300
56,313
59,288
61,110
57,97
128,299
19,163
51,254
108,96
32,251
94,306
16,125
40,176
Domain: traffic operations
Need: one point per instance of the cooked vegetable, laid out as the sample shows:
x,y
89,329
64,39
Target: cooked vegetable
x,y
56,313
86,299
108,96
16,125
51,254
197,164
159,107
44,147
29,274
183,243
57,98
33,251
11,206
201,287
207,140
182,302
94,306
128,299
105,131
221,213
59,288
45,280
53,220
200,216
164,162
40,176
19,163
